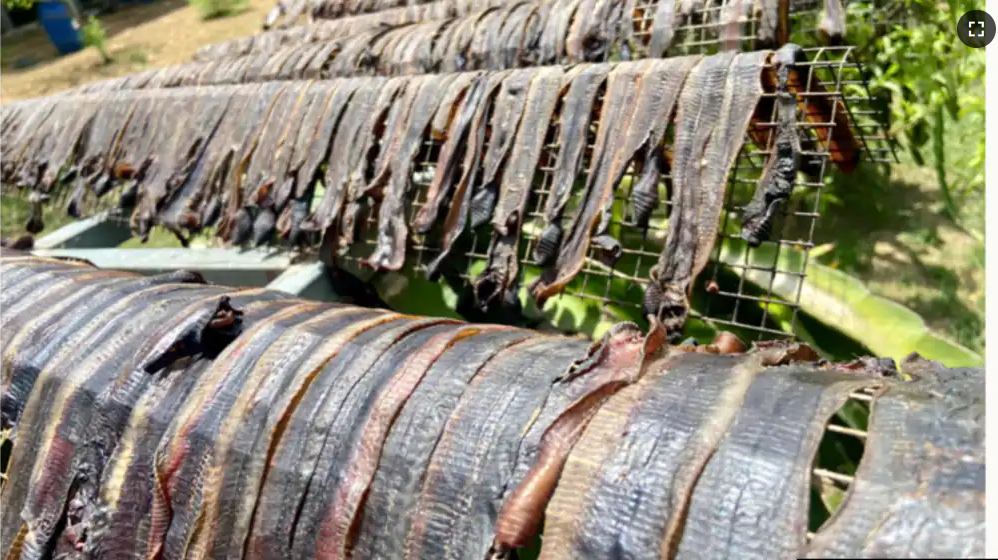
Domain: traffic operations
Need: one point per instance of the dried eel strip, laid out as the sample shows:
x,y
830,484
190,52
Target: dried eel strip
x,y
198,431
501,275
68,387
25,341
646,482
338,529
394,178
46,377
780,174
464,483
240,471
639,103
341,156
122,521
384,111
296,456
354,402
613,363
919,490
667,294
408,449
457,217
202,329
509,107
742,92
621,91
774,23
452,151
573,121
572,494
766,460
833,22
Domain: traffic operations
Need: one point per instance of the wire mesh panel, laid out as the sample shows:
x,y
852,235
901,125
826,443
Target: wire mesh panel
x,y
752,291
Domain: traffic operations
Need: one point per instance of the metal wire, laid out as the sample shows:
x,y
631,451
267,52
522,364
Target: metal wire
x,y
758,293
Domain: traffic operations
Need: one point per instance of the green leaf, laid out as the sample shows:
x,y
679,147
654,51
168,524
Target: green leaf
x,y
846,304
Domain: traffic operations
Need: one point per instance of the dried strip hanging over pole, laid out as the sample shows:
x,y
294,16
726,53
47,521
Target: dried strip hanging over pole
x,y
252,167
204,421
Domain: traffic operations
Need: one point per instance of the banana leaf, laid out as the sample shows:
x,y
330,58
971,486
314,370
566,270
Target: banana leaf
x,y
847,305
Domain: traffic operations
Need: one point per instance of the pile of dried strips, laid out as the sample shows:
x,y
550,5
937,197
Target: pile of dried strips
x,y
248,158
163,417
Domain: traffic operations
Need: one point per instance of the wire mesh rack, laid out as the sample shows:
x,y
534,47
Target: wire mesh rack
x,y
755,292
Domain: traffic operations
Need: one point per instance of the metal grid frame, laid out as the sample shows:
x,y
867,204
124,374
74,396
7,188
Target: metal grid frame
x,y
730,305
743,294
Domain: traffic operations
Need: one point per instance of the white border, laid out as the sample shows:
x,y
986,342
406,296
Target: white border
x,y
991,283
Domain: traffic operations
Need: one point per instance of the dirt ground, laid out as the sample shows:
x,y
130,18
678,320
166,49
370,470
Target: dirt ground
x,y
141,36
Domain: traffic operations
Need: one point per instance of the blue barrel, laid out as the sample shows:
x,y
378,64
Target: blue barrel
x,y
60,26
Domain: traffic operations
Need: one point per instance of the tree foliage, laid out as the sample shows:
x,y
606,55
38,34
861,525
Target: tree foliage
x,y
936,82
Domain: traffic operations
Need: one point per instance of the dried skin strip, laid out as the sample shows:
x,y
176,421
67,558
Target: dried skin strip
x,y
342,154
510,42
613,363
200,329
575,485
26,348
641,494
355,402
385,111
294,459
456,133
667,294
573,121
240,471
394,178
742,92
65,393
33,433
833,22
500,276
123,521
509,107
476,456
780,174
409,447
919,490
339,528
458,215
774,24
623,83
766,461
197,431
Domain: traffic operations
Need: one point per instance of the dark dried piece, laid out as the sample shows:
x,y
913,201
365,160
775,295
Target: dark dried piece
x,y
774,24
919,489
780,424
420,103
406,453
667,294
574,119
460,207
509,106
452,152
464,485
354,395
501,274
780,174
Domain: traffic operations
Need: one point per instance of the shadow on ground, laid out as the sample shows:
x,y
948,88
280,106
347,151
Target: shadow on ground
x,y
890,231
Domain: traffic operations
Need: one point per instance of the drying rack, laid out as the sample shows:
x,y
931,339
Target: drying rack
x,y
754,292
